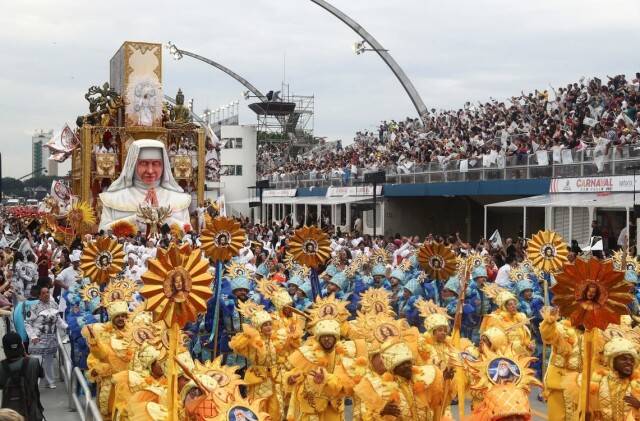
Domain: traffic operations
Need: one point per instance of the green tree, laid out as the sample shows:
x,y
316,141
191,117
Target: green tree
x,y
12,187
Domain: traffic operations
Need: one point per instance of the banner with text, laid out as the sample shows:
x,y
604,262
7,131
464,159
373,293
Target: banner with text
x,y
623,183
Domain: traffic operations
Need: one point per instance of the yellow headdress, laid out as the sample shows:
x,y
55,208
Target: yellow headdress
x,y
497,337
631,263
275,293
619,346
121,290
224,375
89,292
395,353
329,308
144,357
380,257
235,270
375,302
377,330
117,308
327,327
254,312
499,295
434,315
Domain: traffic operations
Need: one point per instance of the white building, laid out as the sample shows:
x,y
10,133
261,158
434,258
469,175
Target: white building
x,y
237,167
40,154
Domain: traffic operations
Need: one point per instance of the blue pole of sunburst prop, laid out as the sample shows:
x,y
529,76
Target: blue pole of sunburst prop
x,y
315,284
217,288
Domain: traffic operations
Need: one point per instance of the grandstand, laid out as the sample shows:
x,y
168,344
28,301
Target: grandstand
x,y
586,121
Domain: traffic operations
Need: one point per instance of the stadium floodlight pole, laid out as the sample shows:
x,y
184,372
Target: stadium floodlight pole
x,y
382,52
177,54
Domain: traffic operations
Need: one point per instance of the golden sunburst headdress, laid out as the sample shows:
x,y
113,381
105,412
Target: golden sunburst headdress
x,y
328,308
222,238
377,331
117,291
498,294
547,251
631,262
310,246
502,368
102,259
437,260
275,293
380,256
254,312
298,270
235,270
224,375
375,302
434,315
176,285
517,274
591,293
90,292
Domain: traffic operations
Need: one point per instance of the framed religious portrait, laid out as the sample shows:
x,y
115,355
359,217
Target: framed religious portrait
x,y
182,168
241,413
503,370
105,165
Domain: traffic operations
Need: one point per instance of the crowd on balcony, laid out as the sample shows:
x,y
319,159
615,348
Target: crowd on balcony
x,y
547,126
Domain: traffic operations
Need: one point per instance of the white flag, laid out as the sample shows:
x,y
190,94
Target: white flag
x,y
222,209
543,157
495,239
567,158
65,141
464,165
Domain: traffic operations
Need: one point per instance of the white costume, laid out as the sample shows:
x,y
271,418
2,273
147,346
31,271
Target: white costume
x,y
120,202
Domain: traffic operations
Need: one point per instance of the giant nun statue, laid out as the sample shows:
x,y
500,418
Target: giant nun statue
x,y
145,177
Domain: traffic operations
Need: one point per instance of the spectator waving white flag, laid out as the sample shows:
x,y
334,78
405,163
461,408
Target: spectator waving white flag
x,y
464,165
543,157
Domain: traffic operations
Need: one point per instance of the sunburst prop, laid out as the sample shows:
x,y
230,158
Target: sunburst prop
x,y
378,330
380,257
102,259
81,217
405,265
328,308
630,262
222,238
437,260
176,285
591,293
235,270
547,251
477,260
89,292
375,302
310,246
501,368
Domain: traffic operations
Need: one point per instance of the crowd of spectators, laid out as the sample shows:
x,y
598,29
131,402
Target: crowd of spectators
x,y
590,114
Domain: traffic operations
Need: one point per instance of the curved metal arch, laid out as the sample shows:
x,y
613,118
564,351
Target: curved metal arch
x,y
384,55
228,71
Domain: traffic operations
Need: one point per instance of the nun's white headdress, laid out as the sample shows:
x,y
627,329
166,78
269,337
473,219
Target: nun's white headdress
x,y
129,169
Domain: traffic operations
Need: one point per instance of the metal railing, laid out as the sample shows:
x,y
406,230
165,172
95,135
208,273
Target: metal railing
x,y
572,164
78,392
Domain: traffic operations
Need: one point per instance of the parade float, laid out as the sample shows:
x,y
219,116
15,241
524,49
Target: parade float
x,y
129,107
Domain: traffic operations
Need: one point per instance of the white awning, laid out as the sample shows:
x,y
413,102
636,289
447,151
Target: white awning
x,y
599,200
314,200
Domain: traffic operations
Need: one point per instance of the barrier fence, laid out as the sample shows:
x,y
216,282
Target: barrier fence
x,y
78,391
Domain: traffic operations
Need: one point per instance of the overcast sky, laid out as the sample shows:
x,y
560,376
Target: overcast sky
x,y
454,51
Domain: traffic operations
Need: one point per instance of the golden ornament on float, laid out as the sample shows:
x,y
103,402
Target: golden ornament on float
x,y
310,246
437,260
630,262
102,259
591,293
222,238
547,251
177,285
81,218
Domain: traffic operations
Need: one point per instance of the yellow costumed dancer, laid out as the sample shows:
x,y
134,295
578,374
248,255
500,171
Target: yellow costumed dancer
x,y
146,369
508,319
318,381
111,350
565,365
615,392
258,343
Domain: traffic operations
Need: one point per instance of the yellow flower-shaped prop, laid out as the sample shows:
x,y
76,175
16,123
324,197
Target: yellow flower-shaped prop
x,y
547,251
380,257
222,238
630,262
235,270
437,260
117,291
176,285
102,259
310,246
591,293
81,218
517,274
